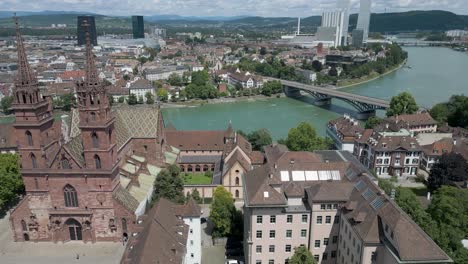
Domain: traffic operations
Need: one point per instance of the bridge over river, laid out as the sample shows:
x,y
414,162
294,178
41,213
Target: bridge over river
x,y
323,95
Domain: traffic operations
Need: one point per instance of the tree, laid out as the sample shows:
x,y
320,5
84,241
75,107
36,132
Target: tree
x,y
110,98
149,98
458,111
196,196
200,78
135,70
317,65
6,104
263,51
174,79
333,72
452,167
302,256
132,99
10,177
169,185
121,99
162,94
259,139
401,104
126,77
440,113
140,100
221,212
305,138
373,121
68,101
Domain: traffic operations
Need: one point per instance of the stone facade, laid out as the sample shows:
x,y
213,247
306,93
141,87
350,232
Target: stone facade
x,y
71,184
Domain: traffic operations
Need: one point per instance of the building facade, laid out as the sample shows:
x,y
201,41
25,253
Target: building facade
x,y
75,170
364,19
138,27
327,202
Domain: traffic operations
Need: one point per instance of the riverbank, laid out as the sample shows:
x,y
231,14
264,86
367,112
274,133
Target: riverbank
x,y
369,78
222,100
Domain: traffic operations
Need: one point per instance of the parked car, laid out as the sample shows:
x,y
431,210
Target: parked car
x,y
233,261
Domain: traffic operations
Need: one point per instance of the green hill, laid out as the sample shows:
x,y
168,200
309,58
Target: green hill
x,y
69,19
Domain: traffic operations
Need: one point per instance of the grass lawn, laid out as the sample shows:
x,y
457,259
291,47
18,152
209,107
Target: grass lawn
x,y
196,178
420,191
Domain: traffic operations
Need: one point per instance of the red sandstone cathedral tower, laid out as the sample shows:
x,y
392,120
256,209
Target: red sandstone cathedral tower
x,y
72,185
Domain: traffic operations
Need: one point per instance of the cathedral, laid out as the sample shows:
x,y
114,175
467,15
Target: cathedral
x,y
76,187
90,175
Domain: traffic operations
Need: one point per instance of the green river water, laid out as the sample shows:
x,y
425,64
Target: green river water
x,y
435,75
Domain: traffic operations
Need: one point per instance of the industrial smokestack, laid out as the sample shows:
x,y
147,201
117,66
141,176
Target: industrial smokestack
x,y
298,26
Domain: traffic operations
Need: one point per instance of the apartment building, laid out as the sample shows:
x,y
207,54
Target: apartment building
x,y
343,132
328,202
389,153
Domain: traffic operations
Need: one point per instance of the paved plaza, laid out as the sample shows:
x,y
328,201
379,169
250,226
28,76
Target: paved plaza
x,y
47,252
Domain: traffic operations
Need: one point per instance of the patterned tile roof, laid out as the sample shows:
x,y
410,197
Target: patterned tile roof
x,y
136,122
130,122
75,148
125,198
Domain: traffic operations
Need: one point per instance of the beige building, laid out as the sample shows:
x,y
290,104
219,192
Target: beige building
x,y
328,202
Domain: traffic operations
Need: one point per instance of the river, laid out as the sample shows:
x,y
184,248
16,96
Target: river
x,y
435,74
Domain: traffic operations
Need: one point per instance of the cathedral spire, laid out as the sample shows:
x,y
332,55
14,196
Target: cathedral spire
x,y
26,85
92,78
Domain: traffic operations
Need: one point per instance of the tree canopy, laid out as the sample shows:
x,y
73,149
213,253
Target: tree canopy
x,y
6,104
222,212
372,122
305,138
174,79
451,167
258,138
149,98
11,183
169,185
403,103
454,112
302,256
132,99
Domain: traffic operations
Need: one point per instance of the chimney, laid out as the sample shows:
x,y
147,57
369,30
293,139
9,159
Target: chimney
x,y
298,26
65,128
454,141
291,161
276,166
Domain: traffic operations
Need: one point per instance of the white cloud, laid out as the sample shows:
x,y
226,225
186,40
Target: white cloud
x,y
225,7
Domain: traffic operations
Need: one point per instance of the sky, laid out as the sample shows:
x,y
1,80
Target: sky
x,y
266,8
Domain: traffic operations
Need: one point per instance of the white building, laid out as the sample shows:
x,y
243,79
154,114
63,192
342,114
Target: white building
x,y
192,218
141,87
336,20
364,18
163,73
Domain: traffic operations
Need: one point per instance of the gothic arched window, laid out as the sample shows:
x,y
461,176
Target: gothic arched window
x,y
30,138
93,116
95,140
97,160
33,161
70,195
237,180
24,226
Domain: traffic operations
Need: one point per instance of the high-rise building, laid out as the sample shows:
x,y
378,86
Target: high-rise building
x,y
81,31
358,38
364,18
343,6
138,27
335,21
